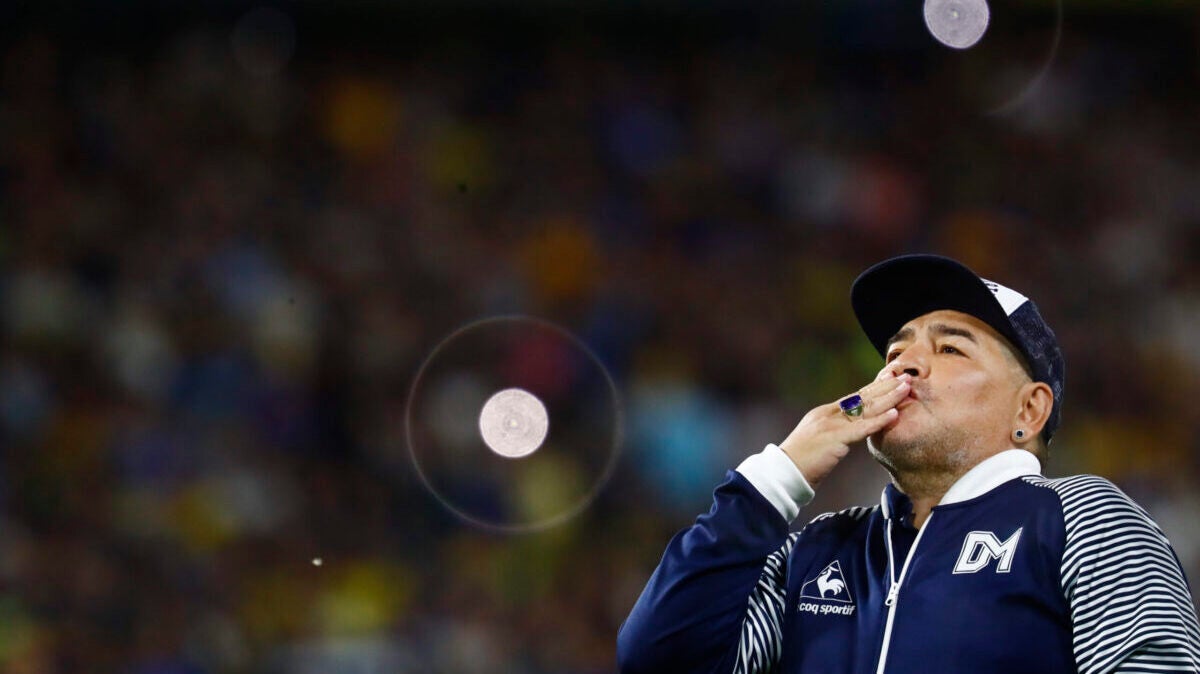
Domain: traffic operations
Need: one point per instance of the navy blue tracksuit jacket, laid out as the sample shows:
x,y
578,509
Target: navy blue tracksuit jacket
x,y
1011,572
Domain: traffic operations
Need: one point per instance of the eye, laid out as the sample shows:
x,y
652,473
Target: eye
x,y
892,355
946,348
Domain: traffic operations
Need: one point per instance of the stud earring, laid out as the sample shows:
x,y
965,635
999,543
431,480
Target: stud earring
x,y
1020,434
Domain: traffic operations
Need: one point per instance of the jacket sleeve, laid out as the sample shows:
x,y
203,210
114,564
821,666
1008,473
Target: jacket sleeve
x,y
1130,604
715,602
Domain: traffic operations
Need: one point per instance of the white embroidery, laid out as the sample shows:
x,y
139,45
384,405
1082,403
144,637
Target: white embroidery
x,y
828,586
981,547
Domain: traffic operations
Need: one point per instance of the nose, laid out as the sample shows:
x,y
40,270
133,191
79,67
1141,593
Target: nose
x,y
912,361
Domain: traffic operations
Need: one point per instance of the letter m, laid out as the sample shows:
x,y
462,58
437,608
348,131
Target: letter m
x,y
981,547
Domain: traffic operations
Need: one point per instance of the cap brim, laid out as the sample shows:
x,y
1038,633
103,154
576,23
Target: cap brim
x,y
895,291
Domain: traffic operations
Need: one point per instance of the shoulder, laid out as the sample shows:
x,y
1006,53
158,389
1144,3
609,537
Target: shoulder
x,y
1104,523
826,528
841,522
852,514
1091,498
1077,485
829,523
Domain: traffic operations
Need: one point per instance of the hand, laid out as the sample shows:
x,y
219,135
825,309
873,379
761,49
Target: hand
x,y
823,437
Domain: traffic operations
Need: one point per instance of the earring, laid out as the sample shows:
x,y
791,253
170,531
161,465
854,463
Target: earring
x,y
1020,434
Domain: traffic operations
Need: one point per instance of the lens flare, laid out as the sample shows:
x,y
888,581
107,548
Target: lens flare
x,y
513,424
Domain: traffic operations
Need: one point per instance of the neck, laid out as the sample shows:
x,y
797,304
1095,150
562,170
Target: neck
x,y
925,471
925,489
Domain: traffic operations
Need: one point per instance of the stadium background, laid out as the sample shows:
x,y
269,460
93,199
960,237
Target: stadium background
x,y
230,235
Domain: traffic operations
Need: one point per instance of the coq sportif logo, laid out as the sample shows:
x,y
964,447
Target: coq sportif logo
x,y
827,593
981,547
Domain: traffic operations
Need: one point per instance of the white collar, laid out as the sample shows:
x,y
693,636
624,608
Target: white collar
x,y
984,477
991,473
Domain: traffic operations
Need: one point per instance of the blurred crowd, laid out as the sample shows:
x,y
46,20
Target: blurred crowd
x,y
228,244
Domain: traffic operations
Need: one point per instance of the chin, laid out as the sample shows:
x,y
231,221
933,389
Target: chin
x,y
903,431
897,445
911,446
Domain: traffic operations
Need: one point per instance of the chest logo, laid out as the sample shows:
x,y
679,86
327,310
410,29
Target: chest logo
x,y
981,547
827,586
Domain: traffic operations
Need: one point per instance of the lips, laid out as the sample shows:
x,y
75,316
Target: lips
x,y
912,397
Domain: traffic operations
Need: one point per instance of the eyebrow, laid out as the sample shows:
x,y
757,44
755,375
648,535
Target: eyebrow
x,y
901,334
939,329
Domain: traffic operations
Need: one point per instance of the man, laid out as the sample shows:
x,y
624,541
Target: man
x,y
972,562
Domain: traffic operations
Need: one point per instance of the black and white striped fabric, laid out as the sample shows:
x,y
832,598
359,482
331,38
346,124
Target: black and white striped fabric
x,y
1130,605
761,641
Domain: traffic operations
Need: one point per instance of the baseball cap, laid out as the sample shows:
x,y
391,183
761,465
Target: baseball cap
x,y
895,291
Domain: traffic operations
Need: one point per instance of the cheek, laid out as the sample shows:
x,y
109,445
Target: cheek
x,y
972,393
971,384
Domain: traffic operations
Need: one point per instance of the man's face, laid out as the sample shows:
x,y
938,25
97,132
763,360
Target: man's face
x,y
965,387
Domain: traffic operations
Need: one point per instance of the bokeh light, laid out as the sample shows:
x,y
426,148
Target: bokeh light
x,y
513,423
957,23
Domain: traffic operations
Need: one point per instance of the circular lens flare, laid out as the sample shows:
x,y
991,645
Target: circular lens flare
x,y
513,424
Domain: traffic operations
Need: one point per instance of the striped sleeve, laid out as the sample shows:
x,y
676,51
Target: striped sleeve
x,y
1130,604
761,642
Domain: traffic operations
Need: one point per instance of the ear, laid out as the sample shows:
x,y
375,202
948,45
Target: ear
x,y
1035,401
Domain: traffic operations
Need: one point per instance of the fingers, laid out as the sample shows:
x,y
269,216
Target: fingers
x,y
823,437
886,381
876,423
883,395
879,408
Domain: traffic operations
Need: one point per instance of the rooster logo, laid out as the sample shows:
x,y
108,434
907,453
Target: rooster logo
x,y
829,585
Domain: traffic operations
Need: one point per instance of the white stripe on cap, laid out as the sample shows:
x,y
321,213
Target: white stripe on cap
x,y
1008,298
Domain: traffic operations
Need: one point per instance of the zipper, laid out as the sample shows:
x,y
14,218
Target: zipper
x,y
894,590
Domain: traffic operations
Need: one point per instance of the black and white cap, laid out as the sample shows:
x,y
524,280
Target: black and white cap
x,y
895,291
